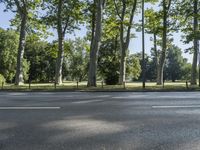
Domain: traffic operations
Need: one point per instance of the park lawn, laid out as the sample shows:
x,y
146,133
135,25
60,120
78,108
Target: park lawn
x,y
82,86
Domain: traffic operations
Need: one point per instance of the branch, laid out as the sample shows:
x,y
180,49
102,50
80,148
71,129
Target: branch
x,y
130,23
66,25
117,11
169,4
18,6
123,10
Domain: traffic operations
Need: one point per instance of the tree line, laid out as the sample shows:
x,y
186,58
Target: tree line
x,y
104,52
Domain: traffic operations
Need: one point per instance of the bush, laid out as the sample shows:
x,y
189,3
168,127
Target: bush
x,y
112,78
2,79
108,62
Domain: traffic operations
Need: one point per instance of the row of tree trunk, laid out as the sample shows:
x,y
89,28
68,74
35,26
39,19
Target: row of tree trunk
x,y
96,39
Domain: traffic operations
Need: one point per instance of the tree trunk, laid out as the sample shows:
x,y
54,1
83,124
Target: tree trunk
x,y
59,61
60,57
95,44
164,45
122,75
125,44
160,75
196,45
156,57
19,79
143,49
122,69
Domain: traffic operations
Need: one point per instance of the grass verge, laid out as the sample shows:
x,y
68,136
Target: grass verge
x,y
82,86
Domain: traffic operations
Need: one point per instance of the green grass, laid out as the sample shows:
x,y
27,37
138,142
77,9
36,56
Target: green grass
x,y
82,86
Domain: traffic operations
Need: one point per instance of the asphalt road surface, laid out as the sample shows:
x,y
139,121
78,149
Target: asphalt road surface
x,y
100,121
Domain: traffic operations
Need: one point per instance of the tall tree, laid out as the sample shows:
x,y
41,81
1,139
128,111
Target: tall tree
x,y
25,9
165,14
153,26
174,63
78,59
143,48
195,41
125,10
189,12
95,40
8,53
64,16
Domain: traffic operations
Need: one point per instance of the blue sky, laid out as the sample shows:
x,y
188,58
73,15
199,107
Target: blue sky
x,y
135,44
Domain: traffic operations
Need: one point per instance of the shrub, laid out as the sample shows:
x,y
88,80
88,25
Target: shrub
x,y
112,78
108,62
2,79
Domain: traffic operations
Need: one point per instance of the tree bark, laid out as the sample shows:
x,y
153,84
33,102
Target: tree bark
x,y
122,70
122,73
196,44
95,43
164,43
125,44
59,62
143,49
156,56
19,80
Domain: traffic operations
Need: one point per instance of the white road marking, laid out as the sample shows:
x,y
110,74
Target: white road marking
x,y
87,101
27,108
177,106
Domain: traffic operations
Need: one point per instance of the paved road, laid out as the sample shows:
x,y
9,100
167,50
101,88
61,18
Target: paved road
x,y
100,121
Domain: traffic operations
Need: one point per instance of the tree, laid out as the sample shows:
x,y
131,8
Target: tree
x,y
8,53
37,53
65,16
78,59
165,14
9,40
133,67
195,40
174,64
125,11
2,79
138,57
176,67
108,61
95,40
186,71
189,23
154,26
25,10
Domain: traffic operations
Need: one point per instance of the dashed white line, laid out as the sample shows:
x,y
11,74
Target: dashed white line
x,y
27,108
176,106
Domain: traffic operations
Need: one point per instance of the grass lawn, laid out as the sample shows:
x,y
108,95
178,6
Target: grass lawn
x,y
82,86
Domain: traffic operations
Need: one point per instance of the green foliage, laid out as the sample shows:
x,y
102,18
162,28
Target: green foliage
x,y
77,59
8,53
71,14
138,64
41,58
108,61
133,67
32,9
39,62
153,22
176,66
2,79
186,15
26,66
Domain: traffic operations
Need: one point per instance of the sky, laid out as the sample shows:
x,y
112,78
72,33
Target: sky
x,y
135,44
